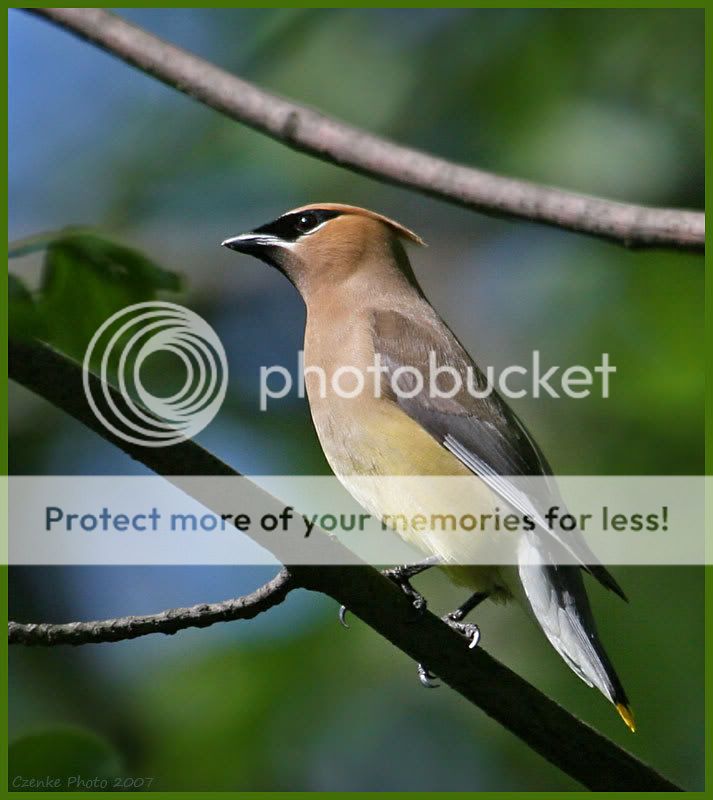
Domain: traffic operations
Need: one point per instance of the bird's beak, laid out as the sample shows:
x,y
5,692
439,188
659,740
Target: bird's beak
x,y
265,246
248,243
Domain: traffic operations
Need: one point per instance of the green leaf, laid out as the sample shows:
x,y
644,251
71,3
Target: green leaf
x,y
37,242
86,278
116,262
22,315
58,757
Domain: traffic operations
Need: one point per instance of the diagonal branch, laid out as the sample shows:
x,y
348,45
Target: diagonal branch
x,y
546,727
312,132
170,621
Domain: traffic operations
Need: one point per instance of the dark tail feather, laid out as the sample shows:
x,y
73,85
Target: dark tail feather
x,y
559,602
605,577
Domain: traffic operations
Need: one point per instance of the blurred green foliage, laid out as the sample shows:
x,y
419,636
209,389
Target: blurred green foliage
x,y
64,754
600,101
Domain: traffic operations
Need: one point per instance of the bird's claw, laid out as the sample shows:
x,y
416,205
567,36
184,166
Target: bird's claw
x,y
468,629
427,678
343,616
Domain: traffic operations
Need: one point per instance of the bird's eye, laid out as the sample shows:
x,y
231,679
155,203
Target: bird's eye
x,y
306,222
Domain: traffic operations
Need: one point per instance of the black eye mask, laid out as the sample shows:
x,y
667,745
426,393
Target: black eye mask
x,y
290,227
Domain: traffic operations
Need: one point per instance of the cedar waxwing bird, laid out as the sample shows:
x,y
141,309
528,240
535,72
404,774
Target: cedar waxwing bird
x,y
351,269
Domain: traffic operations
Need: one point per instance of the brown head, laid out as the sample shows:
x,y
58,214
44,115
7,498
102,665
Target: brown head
x,y
326,244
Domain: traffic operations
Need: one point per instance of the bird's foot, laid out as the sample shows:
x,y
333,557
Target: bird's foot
x,y
418,601
455,619
467,629
401,576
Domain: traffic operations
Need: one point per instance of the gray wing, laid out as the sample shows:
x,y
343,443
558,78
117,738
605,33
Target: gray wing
x,y
483,433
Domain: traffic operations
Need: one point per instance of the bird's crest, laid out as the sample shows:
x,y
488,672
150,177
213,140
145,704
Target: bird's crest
x,y
399,229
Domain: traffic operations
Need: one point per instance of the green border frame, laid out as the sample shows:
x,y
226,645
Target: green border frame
x,y
708,700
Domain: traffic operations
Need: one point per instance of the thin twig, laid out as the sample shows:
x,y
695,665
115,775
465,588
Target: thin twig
x,y
169,622
546,727
312,132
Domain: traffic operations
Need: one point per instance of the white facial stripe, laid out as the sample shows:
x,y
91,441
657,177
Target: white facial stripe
x,y
321,225
258,238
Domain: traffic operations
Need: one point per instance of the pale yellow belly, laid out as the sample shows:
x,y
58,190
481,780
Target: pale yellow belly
x,y
392,467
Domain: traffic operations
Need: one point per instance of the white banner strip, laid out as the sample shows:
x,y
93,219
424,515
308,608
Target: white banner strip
x,y
62,520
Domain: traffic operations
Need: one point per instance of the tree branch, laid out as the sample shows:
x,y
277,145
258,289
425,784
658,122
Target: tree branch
x,y
546,727
312,132
169,622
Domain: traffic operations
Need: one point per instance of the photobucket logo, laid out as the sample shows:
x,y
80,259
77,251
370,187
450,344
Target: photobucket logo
x,y
119,350
438,381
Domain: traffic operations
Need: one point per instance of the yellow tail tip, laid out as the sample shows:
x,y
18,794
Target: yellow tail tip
x,y
626,714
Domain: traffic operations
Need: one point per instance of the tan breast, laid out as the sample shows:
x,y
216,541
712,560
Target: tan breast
x,y
360,430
